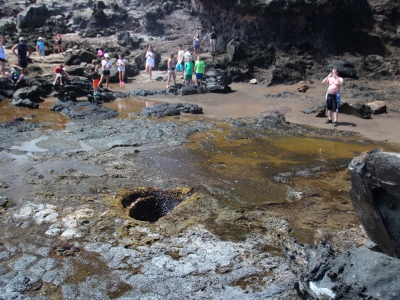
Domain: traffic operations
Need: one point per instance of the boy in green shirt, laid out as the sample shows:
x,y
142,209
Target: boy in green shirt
x,y
199,69
188,70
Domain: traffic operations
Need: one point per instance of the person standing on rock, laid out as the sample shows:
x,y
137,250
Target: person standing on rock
x,y
199,70
3,58
149,60
333,95
171,64
181,62
121,63
213,39
23,54
95,76
196,44
188,70
59,44
106,65
40,48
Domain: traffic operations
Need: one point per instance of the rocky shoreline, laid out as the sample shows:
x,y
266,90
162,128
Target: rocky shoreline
x,y
170,204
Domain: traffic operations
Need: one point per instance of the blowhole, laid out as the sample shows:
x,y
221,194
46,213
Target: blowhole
x,y
151,204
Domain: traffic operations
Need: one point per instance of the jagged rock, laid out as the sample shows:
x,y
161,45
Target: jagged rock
x,y
24,103
84,111
188,90
86,56
375,190
345,68
377,107
72,59
34,16
357,109
319,111
357,274
216,81
30,92
170,109
78,84
235,49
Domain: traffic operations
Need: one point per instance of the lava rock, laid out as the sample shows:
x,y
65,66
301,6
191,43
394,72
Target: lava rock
x,y
24,103
217,81
357,109
375,190
30,92
377,107
34,16
235,49
345,68
358,273
90,111
170,109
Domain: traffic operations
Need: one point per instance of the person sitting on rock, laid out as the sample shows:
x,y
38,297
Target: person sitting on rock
x,y
15,74
58,72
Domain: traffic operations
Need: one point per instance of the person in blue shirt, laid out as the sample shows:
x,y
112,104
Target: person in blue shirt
x,y
40,48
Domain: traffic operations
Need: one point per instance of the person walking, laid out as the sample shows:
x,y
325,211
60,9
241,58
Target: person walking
x,y
40,48
24,51
333,95
196,44
121,63
3,58
149,60
199,70
213,39
106,65
58,73
59,44
95,76
171,64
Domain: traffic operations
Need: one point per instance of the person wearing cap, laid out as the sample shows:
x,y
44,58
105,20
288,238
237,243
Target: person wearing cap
x,y
58,72
106,65
59,44
3,58
40,48
23,54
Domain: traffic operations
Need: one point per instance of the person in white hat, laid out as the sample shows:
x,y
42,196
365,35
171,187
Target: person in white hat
x,y
40,48
106,65
23,54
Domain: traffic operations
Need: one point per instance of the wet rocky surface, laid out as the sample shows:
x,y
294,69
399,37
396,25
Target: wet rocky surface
x,y
245,185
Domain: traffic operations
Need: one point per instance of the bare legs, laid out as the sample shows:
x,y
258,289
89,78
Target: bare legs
x,y
58,75
173,75
121,77
149,70
107,77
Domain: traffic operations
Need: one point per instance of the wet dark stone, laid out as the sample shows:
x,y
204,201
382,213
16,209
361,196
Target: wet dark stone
x,y
375,190
84,111
217,81
171,109
357,274
24,103
34,16
30,92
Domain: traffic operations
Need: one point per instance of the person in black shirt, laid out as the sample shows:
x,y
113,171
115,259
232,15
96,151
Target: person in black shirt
x,y
22,55
213,38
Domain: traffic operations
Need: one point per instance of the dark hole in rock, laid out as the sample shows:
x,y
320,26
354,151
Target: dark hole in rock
x,y
151,204
65,250
387,206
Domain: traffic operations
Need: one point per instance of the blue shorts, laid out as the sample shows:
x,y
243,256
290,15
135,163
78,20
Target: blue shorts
x,y
199,76
196,47
15,78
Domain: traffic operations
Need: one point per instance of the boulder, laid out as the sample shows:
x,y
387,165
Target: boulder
x,y
72,59
79,71
188,90
360,273
377,107
34,16
24,103
235,50
84,111
29,92
86,56
375,190
357,109
216,81
345,68
171,109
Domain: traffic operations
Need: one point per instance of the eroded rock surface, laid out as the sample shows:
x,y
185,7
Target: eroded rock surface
x,y
375,194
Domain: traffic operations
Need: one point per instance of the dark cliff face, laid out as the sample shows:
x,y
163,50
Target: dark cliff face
x,y
328,26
